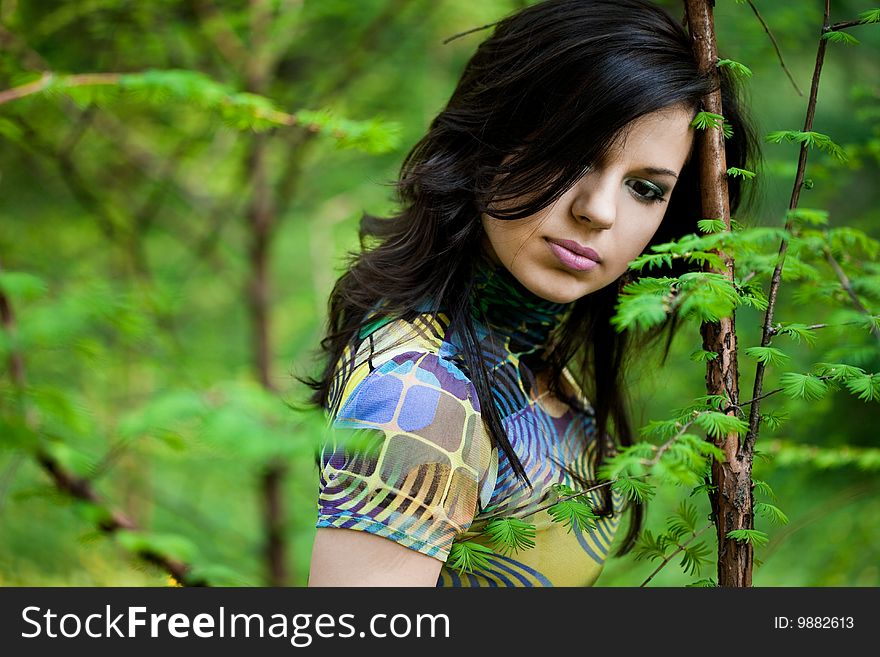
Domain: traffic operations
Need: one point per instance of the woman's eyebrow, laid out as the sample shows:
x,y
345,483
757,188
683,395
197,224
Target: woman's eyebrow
x,y
660,171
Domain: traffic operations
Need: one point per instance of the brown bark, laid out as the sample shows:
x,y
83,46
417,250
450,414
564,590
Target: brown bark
x,y
731,498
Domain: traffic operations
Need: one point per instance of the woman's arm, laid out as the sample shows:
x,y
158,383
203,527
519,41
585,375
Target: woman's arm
x,y
344,557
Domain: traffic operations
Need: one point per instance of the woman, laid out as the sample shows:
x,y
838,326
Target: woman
x,y
469,349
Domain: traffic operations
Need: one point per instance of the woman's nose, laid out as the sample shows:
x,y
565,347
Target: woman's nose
x,y
595,200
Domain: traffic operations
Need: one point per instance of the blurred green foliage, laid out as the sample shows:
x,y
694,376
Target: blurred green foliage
x,y
126,242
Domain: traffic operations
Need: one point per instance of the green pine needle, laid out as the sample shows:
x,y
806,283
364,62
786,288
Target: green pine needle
x,y
650,546
808,216
870,16
638,310
707,582
866,387
712,225
651,260
510,535
798,332
841,37
741,173
701,355
763,488
468,556
684,521
773,420
838,371
810,139
706,120
694,557
802,386
768,355
739,70
774,513
573,514
718,424
753,536
636,490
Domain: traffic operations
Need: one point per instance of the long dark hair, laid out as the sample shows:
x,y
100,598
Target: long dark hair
x,y
542,98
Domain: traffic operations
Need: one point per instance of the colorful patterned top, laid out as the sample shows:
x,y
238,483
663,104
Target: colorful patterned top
x,y
423,472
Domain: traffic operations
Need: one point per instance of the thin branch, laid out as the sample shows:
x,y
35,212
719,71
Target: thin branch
x,y
681,547
775,47
577,494
776,329
76,486
845,24
755,415
746,403
665,446
847,285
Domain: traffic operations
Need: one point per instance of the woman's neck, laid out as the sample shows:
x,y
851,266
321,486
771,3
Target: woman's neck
x,y
509,311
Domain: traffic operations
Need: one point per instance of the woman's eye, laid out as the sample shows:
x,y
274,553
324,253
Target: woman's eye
x,y
646,190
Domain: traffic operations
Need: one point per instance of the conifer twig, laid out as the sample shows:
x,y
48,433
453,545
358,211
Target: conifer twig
x,y
73,485
847,286
775,47
755,414
681,547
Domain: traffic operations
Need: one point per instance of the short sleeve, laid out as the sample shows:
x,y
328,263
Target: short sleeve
x,y
406,455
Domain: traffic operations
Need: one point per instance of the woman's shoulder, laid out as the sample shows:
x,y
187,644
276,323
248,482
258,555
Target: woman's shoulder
x,y
394,355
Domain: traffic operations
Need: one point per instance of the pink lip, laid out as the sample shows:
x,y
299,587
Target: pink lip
x,y
573,255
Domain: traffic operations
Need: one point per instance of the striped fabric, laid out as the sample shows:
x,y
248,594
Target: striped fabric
x,y
410,459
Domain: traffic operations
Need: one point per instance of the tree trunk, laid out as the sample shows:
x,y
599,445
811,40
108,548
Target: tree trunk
x,y
731,492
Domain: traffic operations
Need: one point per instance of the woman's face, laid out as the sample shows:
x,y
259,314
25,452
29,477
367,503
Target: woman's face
x,y
585,240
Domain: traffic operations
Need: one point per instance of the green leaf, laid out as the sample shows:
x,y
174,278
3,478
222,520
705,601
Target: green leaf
x,y
707,582
694,557
739,70
763,488
704,447
745,174
172,546
636,490
712,225
810,139
767,355
838,371
651,260
753,536
706,296
510,535
637,310
802,386
706,120
573,514
468,556
870,16
701,355
650,546
840,37
798,332
866,386
73,460
774,513
773,420
808,216
21,286
684,521
718,424
661,429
